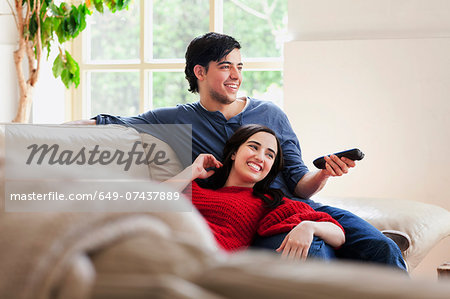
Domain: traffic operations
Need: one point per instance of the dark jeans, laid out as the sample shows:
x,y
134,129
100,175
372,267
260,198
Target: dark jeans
x,y
363,241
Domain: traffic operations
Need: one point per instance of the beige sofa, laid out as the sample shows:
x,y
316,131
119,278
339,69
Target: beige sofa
x,y
156,250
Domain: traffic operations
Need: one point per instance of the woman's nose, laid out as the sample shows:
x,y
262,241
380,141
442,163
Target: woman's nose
x,y
260,156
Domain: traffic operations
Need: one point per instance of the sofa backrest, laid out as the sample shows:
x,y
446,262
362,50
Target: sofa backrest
x,y
162,172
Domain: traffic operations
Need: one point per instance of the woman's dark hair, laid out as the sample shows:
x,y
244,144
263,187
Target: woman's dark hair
x,y
261,188
202,50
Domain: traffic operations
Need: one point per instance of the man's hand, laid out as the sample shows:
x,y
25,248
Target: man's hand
x,y
81,122
313,182
337,167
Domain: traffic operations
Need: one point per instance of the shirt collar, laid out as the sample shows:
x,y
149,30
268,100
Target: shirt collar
x,y
247,102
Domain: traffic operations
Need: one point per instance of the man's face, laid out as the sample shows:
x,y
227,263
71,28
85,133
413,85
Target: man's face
x,y
224,78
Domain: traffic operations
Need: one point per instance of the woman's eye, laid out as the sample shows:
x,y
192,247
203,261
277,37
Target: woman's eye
x,y
252,146
270,156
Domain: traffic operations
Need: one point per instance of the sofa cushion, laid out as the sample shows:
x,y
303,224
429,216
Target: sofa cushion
x,y
425,224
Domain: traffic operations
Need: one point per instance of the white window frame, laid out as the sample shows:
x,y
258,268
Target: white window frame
x,y
79,107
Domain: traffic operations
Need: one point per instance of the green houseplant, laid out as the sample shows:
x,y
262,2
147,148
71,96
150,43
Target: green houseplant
x,y
41,24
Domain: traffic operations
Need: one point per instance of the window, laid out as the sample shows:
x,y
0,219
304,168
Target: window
x,y
133,60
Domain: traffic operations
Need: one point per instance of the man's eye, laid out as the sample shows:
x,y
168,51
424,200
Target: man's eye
x,y
252,146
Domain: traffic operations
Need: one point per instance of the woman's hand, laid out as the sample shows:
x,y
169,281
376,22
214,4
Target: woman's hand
x,y
202,162
196,170
295,245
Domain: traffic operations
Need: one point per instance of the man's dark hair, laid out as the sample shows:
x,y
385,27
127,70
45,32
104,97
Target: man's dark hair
x,y
203,49
262,188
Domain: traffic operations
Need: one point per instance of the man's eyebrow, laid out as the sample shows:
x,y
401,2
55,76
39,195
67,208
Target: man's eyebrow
x,y
229,62
256,142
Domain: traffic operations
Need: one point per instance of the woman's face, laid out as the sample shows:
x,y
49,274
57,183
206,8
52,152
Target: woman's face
x,y
253,160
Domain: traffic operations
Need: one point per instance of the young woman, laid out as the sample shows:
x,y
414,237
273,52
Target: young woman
x,y
238,203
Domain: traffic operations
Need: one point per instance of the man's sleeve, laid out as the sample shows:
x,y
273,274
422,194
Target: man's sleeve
x,y
178,139
157,116
294,167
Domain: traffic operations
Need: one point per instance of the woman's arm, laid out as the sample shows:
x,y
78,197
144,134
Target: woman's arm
x,y
296,244
196,170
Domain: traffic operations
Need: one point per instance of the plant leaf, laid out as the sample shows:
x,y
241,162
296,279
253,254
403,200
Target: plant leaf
x,y
72,65
33,25
65,78
98,5
58,66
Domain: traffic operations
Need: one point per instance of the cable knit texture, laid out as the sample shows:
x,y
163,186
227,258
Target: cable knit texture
x,y
235,215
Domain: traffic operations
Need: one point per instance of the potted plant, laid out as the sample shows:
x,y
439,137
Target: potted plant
x,y
41,24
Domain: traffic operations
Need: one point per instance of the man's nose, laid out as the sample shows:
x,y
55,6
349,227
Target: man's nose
x,y
234,73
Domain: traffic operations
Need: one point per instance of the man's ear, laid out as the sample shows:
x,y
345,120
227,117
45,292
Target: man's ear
x,y
199,71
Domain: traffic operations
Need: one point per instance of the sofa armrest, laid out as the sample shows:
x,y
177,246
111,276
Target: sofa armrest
x,y
426,224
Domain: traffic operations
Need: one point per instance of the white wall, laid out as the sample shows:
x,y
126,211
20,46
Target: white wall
x,y
7,70
368,19
48,96
7,84
374,74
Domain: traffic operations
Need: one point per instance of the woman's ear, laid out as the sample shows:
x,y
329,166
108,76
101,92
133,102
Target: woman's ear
x,y
233,156
199,71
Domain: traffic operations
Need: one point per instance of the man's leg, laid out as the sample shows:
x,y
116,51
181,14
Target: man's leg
x,y
363,241
321,250
269,243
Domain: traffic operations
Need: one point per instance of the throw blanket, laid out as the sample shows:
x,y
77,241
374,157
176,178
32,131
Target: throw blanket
x,y
48,255
140,256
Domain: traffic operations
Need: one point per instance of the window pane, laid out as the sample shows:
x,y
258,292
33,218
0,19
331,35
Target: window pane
x,y
170,89
263,85
258,25
115,36
115,93
175,24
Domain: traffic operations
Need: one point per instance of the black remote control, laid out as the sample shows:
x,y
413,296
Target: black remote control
x,y
353,154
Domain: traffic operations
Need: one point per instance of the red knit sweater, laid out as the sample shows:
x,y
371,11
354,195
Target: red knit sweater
x,y
235,215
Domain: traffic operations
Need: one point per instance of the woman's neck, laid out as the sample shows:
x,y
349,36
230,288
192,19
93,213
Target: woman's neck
x,y
236,183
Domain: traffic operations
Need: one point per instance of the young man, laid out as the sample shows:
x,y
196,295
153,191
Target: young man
x,y
213,69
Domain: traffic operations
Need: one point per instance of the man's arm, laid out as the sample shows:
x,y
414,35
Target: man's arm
x,y
81,122
313,181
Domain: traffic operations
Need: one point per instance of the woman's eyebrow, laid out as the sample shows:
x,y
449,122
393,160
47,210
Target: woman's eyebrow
x,y
256,142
